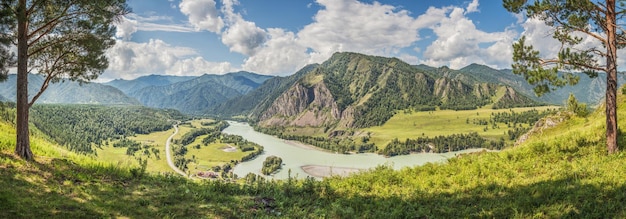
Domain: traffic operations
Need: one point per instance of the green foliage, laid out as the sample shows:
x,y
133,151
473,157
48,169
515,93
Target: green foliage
x,y
67,39
580,109
271,165
7,112
244,145
213,132
527,62
79,127
7,58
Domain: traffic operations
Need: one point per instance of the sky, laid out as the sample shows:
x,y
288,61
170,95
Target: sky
x,y
278,37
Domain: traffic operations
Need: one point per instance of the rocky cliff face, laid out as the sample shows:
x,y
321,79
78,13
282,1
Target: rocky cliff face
x,y
447,88
302,106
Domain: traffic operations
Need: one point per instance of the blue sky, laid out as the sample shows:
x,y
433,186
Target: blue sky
x,y
278,37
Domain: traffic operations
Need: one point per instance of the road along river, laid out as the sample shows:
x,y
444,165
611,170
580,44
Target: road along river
x,y
168,154
320,163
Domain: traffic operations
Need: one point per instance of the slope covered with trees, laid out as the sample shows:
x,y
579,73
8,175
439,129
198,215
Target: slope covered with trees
x,y
82,127
198,95
352,90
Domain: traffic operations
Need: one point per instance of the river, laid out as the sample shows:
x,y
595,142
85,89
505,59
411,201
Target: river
x,y
295,157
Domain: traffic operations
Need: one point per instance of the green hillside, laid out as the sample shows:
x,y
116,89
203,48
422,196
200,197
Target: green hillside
x,y
351,90
559,172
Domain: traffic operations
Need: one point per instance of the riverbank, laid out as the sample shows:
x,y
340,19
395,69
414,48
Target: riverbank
x,y
326,171
305,146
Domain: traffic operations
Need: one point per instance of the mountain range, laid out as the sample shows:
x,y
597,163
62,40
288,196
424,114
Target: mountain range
x,y
192,95
129,86
68,92
347,90
352,90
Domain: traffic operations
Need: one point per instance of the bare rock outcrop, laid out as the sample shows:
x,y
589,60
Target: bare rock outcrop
x,y
543,124
302,106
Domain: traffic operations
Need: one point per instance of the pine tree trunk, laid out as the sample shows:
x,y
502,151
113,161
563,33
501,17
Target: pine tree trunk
x,y
611,79
22,147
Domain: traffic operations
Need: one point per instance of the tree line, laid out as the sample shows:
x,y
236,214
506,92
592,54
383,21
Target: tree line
x,y
440,144
191,136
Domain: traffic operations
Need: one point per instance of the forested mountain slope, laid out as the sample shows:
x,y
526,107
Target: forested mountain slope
x,y
68,92
197,95
352,90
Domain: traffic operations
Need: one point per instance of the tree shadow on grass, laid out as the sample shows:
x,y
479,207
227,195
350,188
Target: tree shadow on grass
x,y
59,188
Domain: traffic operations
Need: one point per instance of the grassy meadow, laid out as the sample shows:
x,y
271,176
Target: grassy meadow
x,y
405,125
202,158
154,140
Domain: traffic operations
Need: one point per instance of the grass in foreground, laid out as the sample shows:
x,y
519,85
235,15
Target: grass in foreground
x,y
562,172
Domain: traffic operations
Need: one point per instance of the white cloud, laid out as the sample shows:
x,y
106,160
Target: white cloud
x,y
539,35
411,59
198,66
130,60
340,25
202,14
459,43
350,25
345,25
126,28
282,54
243,37
375,29
472,7
132,23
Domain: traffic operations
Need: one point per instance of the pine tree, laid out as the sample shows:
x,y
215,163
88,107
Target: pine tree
x,y
570,18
